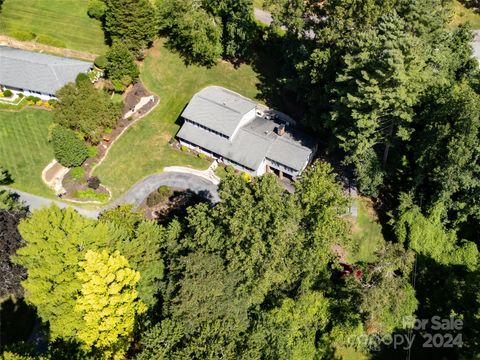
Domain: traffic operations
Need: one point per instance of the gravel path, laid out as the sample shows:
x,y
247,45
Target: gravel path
x,y
135,195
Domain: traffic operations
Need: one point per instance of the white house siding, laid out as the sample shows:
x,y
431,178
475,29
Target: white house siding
x,y
30,93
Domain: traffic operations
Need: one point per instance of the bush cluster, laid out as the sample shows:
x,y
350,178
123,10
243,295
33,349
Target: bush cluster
x,y
69,149
230,169
154,199
100,62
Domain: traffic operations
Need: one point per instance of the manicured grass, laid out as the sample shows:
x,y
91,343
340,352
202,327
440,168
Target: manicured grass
x,y
463,15
367,233
144,149
24,149
63,20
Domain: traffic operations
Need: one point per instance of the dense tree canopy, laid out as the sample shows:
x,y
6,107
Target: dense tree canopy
x,y
202,31
56,240
108,303
84,109
121,63
131,22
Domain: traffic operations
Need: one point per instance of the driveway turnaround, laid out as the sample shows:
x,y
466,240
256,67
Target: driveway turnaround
x,y
139,192
135,195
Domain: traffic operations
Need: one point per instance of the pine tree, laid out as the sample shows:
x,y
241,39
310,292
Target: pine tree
x,y
131,22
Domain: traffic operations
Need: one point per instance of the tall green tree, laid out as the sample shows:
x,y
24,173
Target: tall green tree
x,y
132,22
84,109
384,78
446,153
191,31
238,27
121,63
141,242
56,240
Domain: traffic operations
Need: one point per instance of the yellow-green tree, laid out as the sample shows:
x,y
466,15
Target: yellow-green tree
x,y
108,302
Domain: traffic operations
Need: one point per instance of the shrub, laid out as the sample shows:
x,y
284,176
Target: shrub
x,y
230,169
69,150
90,194
118,86
108,130
96,9
81,77
52,102
23,35
121,64
202,156
154,199
184,148
93,182
100,62
21,95
47,40
77,173
92,151
247,177
7,93
39,103
164,191
33,99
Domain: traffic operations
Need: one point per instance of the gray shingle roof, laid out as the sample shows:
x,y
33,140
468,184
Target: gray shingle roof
x,y
253,143
37,72
218,109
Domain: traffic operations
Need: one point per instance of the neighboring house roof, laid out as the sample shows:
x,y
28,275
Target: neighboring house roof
x,y
37,72
218,109
253,143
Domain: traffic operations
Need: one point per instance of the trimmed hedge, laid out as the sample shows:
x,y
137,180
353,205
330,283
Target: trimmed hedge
x,y
100,62
69,150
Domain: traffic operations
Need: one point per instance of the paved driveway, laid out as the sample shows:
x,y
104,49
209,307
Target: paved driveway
x,y
139,192
135,195
37,202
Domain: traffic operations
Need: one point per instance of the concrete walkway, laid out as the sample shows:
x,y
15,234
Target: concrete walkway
x,y
208,174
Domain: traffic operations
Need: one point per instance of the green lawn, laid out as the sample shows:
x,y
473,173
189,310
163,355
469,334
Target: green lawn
x,y
144,148
463,15
24,149
367,233
62,20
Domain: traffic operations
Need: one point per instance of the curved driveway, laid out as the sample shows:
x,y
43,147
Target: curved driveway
x,y
139,192
135,195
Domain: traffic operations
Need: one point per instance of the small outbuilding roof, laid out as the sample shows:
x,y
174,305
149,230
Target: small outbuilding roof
x,y
218,109
38,72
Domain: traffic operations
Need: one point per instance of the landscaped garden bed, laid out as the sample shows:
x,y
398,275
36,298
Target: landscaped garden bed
x,y
166,203
80,187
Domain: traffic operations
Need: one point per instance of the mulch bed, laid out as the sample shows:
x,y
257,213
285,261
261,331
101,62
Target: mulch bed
x,y
174,206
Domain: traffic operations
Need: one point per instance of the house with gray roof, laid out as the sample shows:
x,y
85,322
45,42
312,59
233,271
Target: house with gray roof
x,y
37,74
237,131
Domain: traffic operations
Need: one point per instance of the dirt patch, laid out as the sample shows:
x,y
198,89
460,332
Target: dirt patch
x,y
52,172
34,46
340,252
